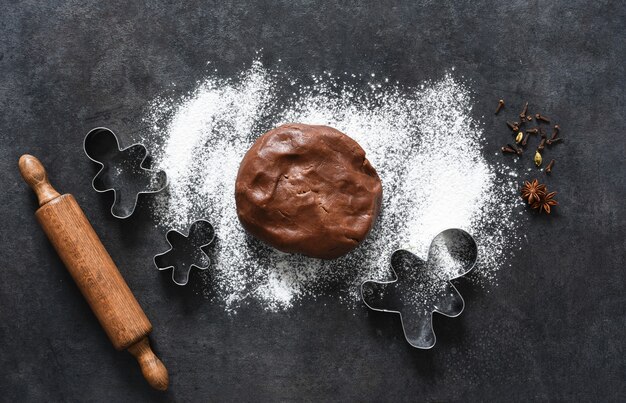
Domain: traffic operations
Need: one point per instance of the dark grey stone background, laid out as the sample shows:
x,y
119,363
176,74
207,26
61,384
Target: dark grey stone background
x,y
553,328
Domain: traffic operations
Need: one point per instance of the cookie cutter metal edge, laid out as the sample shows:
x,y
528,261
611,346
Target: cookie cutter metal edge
x,y
433,311
186,235
117,140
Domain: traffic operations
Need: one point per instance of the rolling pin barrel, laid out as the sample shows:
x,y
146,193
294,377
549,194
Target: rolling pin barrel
x,y
94,271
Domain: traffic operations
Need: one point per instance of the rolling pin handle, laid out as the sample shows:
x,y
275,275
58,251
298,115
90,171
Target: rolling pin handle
x,y
35,175
151,367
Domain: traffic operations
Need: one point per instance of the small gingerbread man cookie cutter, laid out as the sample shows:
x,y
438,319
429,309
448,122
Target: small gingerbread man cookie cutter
x,y
421,288
186,252
122,171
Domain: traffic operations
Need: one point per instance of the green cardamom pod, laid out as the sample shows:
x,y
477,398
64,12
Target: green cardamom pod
x,y
538,159
519,137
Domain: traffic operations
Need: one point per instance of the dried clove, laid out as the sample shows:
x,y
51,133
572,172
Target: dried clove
x,y
532,131
538,116
549,167
514,126
517,150
522,115
529,118
552,141
541,145
555,132
500,105
507,149
525,139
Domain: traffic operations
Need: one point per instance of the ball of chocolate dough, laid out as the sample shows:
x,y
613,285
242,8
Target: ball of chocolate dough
x,y
309,190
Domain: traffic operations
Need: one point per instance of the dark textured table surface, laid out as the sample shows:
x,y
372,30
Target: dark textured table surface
x,y
554,327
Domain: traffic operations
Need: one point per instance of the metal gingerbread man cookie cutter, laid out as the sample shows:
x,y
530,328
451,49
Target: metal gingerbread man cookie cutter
x,y
421,288
122,170
186,251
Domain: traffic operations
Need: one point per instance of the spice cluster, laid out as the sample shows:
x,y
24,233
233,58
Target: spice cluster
x,y
535,194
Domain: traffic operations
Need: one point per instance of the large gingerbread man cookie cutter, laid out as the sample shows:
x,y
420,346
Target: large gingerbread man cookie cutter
x,y
122,170
421,288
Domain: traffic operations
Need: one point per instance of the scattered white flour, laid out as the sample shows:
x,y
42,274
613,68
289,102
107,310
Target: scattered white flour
x,y
423,142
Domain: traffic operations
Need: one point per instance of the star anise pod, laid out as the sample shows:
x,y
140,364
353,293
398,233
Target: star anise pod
x,y
545,201
532,191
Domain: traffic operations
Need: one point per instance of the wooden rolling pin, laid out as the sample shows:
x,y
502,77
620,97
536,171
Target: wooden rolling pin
x,y
94,272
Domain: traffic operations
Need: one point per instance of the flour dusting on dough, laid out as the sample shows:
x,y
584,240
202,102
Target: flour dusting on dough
x,y
423,142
